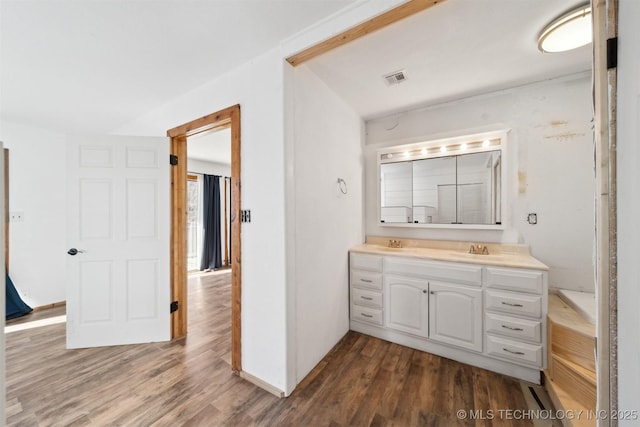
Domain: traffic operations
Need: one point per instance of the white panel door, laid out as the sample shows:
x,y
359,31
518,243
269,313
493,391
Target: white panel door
x,y
118,221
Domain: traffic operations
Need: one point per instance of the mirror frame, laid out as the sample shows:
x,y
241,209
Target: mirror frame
x,y
430,149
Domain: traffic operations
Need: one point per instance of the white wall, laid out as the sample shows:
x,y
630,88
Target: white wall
x,y
37,188
258,87
209,168
327,145
549,172
269,261
3,391
628,209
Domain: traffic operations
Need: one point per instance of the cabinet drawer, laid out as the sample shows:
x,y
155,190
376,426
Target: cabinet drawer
x,y
511,302
446,272
366,262
530,354
364,279
513,327
366,314
366,297
513,279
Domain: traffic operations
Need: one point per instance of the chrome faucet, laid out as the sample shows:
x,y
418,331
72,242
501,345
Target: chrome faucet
x,y
479,249
393,243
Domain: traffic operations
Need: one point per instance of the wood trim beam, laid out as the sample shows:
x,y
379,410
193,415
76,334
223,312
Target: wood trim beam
x,y
220,119
236,243
374,24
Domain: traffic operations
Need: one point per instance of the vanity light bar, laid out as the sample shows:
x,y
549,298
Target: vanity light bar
x,y
429,151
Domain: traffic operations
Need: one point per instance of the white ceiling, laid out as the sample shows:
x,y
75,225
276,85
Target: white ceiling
x,y
94,65
455,49
211,146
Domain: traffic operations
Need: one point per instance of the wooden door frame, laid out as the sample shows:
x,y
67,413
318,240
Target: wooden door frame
x,y
605,27
227,118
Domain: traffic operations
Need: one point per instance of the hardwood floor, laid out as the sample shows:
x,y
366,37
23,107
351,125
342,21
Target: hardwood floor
x,y
363,381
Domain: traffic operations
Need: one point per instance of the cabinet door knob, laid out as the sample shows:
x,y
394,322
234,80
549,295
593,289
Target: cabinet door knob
x,y
432,293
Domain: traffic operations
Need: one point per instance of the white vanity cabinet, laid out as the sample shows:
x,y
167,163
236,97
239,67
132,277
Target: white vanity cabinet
x,y
515,323
366,288
407,305
489,316
455,315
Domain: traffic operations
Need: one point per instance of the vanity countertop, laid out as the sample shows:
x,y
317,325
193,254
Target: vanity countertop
x,y
503,255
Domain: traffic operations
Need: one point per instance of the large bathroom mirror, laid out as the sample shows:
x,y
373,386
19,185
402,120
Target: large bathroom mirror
x,y
445,183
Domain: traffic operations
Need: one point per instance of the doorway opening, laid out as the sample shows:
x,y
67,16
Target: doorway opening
x,y
227,118
209,243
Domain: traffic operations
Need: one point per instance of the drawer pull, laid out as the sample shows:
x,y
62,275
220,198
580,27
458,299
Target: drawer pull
x,y
367,298
366,280
512,329
369,315
511,304
519,353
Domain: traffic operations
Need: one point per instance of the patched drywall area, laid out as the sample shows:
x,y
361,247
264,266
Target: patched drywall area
x,y
549,169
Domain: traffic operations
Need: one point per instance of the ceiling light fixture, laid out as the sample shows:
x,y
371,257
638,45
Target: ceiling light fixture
x,y
569,31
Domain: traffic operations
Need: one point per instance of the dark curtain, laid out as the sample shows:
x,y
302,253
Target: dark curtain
x,y
15,307
211,252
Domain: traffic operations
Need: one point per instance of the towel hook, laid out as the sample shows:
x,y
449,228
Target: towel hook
x,y
342,185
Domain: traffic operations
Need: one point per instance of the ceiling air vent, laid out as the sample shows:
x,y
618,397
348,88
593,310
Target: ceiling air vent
x,y
395,78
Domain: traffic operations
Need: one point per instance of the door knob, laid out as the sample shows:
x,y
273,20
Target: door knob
x,y
74,251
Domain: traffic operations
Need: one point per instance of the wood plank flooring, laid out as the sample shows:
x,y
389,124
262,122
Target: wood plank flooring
x,y
363,381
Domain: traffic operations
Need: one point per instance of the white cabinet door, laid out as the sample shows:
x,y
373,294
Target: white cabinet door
x,y
118,228
455,315
406,305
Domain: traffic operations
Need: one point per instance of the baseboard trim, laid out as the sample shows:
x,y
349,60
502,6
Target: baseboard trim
x,y
262,384
52,305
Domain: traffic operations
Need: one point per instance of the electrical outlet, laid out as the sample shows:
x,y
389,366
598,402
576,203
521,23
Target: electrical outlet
x,y
532,218
16,216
